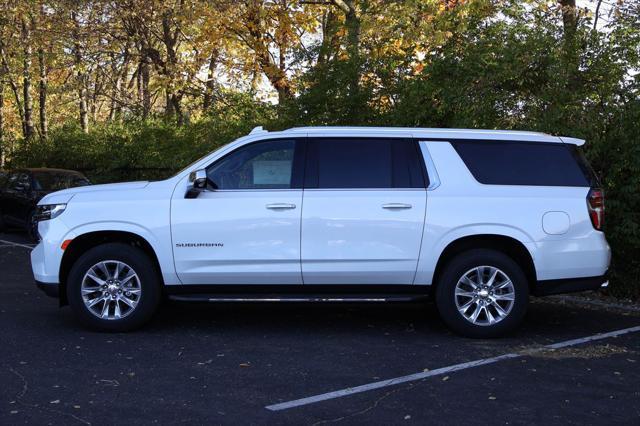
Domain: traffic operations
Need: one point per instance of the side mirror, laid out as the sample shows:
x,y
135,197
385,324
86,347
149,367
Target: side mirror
x,y
197,183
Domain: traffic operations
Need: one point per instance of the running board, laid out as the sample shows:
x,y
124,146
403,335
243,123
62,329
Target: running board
x,y
297,298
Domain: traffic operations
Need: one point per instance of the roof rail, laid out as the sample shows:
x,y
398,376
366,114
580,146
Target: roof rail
x,y
573,141
258,129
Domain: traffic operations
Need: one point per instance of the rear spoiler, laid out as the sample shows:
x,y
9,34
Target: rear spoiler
x,y
572,141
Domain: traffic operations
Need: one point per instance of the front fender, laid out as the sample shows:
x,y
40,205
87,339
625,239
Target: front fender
x,y
162,250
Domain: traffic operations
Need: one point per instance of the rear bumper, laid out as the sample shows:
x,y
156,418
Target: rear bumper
x,y
570,285
568,258
50,289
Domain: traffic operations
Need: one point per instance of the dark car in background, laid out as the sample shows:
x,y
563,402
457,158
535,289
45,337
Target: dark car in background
x,y
21,189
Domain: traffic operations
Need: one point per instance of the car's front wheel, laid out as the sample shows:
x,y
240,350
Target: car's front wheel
x,y
32,227
482,293
113,287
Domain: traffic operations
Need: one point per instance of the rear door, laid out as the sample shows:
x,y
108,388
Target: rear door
x,y
363,211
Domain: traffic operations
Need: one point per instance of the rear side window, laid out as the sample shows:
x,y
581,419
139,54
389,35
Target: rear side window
x,y
524,163
358,163
584,165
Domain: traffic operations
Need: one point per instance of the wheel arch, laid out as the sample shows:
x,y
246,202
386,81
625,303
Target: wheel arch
x,y
81,243
502,243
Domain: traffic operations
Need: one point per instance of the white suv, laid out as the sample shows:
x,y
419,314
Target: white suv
x,y
477,219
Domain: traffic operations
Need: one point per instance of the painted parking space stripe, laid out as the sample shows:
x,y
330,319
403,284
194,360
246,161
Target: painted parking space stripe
x,y
11,243
444,370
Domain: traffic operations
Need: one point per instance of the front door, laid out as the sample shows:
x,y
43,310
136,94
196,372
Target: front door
x,y
364,211
245,228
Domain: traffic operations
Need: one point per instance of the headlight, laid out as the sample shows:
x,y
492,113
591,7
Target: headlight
x,y
49,211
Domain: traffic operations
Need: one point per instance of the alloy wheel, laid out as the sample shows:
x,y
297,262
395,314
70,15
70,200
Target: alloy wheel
x,y
111,290
484,295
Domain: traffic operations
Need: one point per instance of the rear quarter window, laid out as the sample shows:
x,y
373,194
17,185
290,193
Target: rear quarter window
x,y
525,163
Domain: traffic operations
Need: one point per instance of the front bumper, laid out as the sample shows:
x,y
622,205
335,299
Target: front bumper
x,y
46,257
570,285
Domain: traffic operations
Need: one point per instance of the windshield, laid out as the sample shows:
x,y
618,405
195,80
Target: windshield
x,y
58,181
201,158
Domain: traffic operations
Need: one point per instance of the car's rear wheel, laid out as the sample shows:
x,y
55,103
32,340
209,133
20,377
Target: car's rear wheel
x,y
113,287
482,293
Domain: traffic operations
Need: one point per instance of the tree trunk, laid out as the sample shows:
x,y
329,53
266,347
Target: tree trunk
x,y
146,95
274,72
81,77
93,105
176,99
44,123
13,85
329,42
571,44
119,92
169,111
352,25
597,15
170,41
210,85
115,91
569,18
43,86
1,120
26,80
82,104
352,21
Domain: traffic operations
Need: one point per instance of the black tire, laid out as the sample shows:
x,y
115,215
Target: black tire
x,y
32,227
150,295
2,225
446,297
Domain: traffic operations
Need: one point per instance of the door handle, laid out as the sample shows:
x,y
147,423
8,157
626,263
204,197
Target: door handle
x,y
281,206
396,206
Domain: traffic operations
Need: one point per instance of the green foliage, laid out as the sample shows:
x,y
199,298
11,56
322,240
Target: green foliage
x,y
616,154
152,149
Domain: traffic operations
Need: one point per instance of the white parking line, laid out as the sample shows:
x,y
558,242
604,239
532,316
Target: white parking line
x,y
11,243
444,370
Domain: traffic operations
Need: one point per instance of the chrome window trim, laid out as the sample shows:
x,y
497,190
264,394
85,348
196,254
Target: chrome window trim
x,y
364,189
432,172
254,190
314,189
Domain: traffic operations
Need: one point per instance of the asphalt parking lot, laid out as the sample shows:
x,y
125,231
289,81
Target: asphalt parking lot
x,y
244,364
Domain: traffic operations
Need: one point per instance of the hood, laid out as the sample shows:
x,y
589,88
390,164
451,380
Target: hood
x,y
66,194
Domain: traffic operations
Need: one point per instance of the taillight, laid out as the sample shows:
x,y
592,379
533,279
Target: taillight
x,y
595,204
